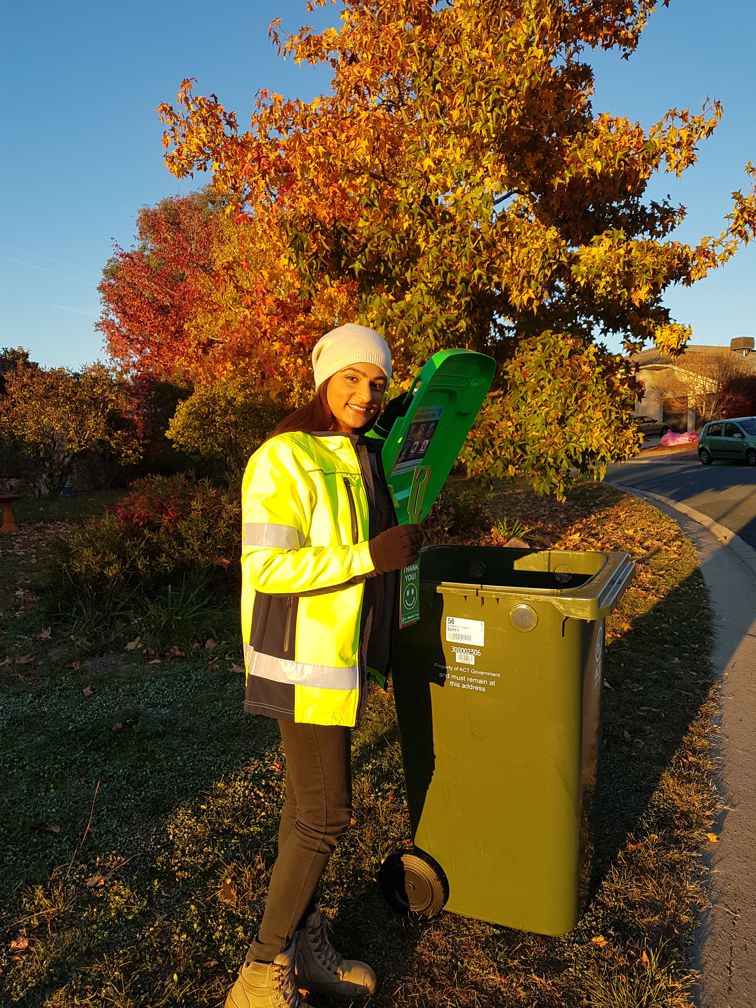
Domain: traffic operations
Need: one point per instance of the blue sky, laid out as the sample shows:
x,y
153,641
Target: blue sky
x,y
83,153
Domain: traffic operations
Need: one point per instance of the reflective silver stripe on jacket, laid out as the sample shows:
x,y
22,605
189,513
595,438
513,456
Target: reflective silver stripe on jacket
x,y
299,673
269,534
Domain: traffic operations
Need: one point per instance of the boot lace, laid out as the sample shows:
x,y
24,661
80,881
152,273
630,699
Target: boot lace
x,y
320,940
283,979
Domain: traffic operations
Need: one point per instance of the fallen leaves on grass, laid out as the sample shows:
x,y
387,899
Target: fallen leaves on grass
x,y
227,892
712,837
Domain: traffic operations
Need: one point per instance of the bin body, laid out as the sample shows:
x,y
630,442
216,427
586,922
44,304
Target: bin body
x,y
498,692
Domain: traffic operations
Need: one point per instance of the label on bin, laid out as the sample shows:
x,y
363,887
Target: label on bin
x,y
465,631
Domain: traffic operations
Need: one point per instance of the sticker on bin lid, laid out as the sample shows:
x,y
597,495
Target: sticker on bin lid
x,y
465,631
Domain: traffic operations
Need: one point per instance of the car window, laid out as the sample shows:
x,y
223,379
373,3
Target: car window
x,y
732,430
749,426
714,430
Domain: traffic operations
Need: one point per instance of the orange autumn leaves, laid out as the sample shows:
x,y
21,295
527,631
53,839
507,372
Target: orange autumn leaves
x,y
455,188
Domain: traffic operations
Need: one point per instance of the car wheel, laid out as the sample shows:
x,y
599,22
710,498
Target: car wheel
x,y
751,457
704,456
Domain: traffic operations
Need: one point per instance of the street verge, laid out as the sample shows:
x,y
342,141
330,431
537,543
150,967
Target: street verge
x,y
141,808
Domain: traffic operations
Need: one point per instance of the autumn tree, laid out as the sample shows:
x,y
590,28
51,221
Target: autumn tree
x,y
10,446
60,417
10,359
204,295
456,188
150,292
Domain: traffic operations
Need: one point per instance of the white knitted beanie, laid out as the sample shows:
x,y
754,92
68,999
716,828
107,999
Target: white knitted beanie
x,y
349,344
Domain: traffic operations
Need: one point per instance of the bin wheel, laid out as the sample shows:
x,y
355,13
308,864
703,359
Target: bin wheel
x,y
413,880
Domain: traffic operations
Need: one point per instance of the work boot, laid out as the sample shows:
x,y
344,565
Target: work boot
x,y
267,985
320,968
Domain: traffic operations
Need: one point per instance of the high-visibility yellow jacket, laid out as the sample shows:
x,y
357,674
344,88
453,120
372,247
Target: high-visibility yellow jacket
x,y
305,561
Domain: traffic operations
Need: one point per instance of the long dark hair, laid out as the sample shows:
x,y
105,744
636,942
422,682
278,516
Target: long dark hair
x,y
315,415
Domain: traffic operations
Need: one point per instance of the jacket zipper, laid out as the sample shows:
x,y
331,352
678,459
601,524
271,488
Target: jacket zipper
x,y
352,508
287,626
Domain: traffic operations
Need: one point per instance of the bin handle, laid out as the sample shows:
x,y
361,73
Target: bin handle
x,y
619,574
615,575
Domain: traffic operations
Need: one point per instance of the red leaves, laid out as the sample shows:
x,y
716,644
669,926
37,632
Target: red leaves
x,y
151,504
149,292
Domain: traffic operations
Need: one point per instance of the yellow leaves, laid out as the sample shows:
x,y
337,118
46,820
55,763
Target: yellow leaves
x,y
599,940
640,294
712,838
227,892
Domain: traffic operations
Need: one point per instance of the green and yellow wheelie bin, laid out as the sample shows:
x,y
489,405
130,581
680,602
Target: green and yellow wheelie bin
x,y
498,698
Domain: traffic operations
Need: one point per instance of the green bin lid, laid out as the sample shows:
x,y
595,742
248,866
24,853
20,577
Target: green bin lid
x,y
445,400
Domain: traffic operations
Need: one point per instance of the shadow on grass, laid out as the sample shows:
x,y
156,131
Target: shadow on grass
x,y
185,788
658,678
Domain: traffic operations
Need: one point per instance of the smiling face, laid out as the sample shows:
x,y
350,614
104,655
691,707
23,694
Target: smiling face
x,y
355,395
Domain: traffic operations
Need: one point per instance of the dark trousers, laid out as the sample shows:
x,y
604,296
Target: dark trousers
x,y
317,810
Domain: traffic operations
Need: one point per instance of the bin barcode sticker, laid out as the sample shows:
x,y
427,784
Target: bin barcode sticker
x,y
465,631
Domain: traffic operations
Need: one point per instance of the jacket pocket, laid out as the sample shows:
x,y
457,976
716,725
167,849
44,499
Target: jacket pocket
x,y
352,508
288,621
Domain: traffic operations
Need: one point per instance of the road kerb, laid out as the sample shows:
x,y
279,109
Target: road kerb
x,y
745,553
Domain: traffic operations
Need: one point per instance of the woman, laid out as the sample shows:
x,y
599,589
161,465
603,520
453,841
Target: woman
x,y
320,545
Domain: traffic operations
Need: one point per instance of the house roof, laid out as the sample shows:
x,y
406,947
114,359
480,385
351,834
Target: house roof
x,y
655,358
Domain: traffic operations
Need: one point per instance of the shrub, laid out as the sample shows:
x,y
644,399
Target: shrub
x,y
223,424
461,513
166,530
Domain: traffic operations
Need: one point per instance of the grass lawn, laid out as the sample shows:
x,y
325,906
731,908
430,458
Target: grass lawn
x,y
140,805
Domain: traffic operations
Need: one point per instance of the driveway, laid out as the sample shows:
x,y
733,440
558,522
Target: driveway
x,y
724,492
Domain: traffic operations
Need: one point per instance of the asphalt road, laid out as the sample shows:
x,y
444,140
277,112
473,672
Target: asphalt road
x,y
725,492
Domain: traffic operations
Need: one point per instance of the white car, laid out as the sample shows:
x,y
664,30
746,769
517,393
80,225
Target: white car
x,y
649,425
